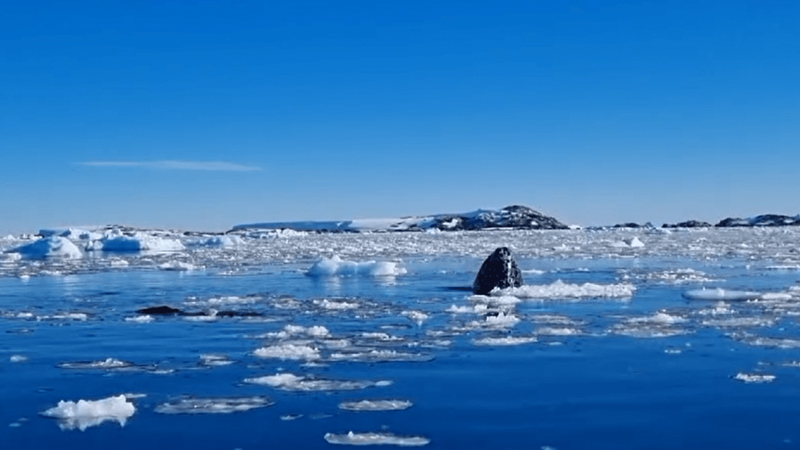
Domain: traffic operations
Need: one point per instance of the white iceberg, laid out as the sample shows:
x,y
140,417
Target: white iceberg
x,y
49,247
88,413
139,242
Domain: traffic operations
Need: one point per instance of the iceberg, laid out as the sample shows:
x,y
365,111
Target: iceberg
x,y
49,247
337,266
88,413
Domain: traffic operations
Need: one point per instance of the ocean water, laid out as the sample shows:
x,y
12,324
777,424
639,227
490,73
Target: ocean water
x,y
689,340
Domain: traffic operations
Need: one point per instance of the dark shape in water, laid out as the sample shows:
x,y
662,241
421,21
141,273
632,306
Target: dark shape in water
x,y
170,311
160,310
498,271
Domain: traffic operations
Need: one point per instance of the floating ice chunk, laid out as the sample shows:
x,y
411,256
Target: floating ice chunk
x,y
88,413
289,351
337,266
552,331
18,358
82,317
461,309
288,417
144,318
108,363
136,243
213,405
505,341
754,378
288,331
633,242
533,271
226,241
376,439
380,356
376,405
679,276
559,289
659,318
736,322
118,263
73,233
501,320
49,247
291,382
215,360
333,305
178,266
385,337
721,294
416,316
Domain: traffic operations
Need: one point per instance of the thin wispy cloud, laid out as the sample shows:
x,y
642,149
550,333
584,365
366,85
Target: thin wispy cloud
x,y
216,166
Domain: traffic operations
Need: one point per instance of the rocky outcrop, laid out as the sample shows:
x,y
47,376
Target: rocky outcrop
x,y
499,270
510,217
766,220
688,224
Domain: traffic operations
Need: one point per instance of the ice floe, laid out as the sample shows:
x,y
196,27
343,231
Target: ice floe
x,y
721,294
291,382
506,340
213,405
108,363
337,266
561,290
379,356
754,378
289,351
376,439
376,405
226,241
138,242
88,413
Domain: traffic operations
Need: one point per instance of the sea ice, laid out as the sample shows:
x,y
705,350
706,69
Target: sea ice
x,y
754,378
88,413
376,439
226,241
337,266
213,405
108,363
291,382
18,358
289,351
559,289
380,356
376,405
114,242
505,341
178,266
144,318
721,294
49,247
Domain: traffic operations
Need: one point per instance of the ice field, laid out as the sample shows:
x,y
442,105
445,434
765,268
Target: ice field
x,y
619,338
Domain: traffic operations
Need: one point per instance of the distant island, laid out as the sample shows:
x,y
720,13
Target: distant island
x,y
517,217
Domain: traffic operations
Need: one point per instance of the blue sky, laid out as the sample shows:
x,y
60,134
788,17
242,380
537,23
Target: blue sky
x,y
201,115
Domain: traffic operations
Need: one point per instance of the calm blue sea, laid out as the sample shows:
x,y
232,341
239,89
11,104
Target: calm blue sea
x,y
567,365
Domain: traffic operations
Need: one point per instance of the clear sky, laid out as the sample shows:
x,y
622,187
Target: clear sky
x,y
205,114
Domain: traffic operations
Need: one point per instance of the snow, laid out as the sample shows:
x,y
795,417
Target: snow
x,y
50,247
213,405
376,439
376,405
337,266
88,413
561,290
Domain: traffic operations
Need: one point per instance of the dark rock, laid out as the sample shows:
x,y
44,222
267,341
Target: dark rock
x,y
627,225
766,220
161,311
498,271
688,224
